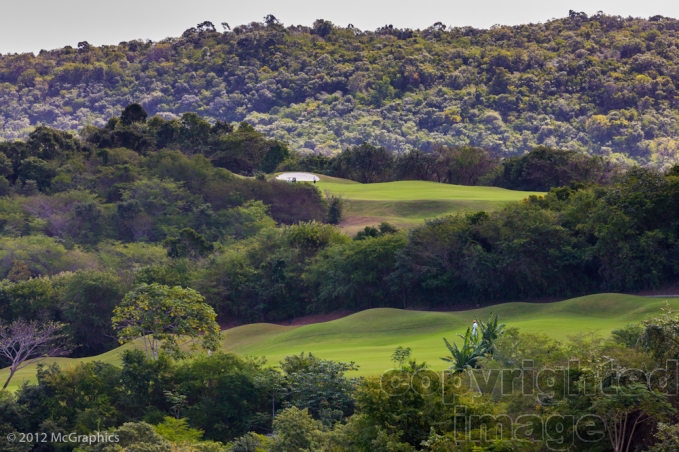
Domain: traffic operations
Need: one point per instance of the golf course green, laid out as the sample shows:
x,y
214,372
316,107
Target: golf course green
x,y
370,337
405,203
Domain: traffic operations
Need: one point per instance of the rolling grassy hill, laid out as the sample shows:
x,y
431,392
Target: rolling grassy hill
x,y
369,337
405,203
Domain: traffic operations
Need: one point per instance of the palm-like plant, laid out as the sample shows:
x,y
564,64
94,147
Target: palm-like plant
x,y
467,355
491,332
474,348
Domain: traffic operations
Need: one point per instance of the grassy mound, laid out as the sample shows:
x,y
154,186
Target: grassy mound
x,y
406,203
369,337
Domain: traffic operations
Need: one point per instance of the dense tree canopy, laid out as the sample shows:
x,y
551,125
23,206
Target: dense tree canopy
x,y
170,210
601,84
160,214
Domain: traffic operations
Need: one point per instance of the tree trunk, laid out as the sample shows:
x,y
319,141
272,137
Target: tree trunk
x,y
11,374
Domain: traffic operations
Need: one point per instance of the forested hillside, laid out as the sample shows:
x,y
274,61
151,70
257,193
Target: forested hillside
x,y
601,84
140,200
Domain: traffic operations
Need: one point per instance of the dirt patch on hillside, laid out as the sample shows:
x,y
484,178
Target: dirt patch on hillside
x,y
360,221
352,225
668,292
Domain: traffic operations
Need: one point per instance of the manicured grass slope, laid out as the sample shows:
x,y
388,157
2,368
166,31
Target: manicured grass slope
x,y
409,202
369,337
418,190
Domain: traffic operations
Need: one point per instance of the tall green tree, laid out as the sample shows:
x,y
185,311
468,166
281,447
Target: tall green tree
x,y
87,301
133,113
189,244
364,163
166,318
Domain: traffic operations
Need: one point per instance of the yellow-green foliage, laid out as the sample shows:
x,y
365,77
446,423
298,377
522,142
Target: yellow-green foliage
x,y
602,84
43,255
178,431
166,317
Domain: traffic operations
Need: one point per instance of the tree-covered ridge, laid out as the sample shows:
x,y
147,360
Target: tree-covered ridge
x,y
146,200
601,84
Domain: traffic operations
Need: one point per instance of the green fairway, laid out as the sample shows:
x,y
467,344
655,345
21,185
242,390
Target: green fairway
x,y
369,337
415,190
409,202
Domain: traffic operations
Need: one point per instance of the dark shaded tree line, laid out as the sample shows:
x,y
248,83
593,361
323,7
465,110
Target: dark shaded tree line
x,y
573,241
223,395
540,169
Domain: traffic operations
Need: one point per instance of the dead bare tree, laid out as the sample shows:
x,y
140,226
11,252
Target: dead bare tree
x,y
26,342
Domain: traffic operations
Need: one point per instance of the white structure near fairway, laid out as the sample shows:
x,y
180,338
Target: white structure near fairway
x,y
299,177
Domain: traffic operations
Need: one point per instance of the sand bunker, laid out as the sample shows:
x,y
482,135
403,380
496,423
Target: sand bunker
x,y
299,177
